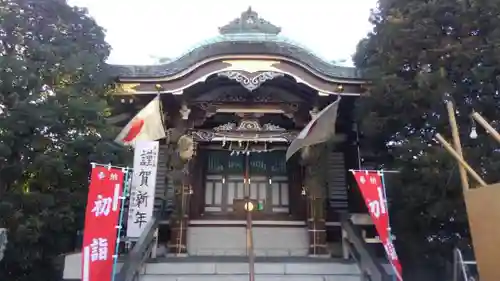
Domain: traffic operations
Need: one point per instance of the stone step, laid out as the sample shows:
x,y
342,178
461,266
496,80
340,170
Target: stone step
x,y
272,271
231,241
245,278
236,268
244,259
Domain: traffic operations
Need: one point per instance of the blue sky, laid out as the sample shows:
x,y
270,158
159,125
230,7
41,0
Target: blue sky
x,y
140,31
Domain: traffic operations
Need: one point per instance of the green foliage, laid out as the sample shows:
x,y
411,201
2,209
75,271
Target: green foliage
x,y
419,52
53,81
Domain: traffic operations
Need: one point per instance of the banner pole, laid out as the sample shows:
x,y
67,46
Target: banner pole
x,y
389,230
385,171
94,164
120,221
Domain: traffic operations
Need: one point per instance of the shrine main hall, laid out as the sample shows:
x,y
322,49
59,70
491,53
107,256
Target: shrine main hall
x,y
231,106
242,97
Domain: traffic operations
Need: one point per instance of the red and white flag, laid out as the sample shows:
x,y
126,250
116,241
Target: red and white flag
x,y
319,130
372,189
147,125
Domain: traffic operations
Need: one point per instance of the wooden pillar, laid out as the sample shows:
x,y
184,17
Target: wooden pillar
x,y
316,227
315,193
179,225
298,204
180,217
198,194
181,166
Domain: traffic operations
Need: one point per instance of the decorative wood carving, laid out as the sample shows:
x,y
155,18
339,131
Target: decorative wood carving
x,y
185,111
234,93
126,88
209,108
249,22
247,130
249,125
258,98
290,109
208,136
251,82
314,112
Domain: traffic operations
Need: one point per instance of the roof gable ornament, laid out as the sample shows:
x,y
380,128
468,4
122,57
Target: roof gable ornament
x,y
253,82
249,22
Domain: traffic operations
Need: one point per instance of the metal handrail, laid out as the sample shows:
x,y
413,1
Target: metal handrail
x,y
364,256
460,267
3,241
139,253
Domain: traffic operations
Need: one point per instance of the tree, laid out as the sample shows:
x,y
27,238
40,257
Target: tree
x,y
53,81
420,53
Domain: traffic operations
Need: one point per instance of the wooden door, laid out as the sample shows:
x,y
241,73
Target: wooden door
x,y
225,182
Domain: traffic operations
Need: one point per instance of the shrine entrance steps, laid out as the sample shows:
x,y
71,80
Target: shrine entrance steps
x,y
231,240
236,269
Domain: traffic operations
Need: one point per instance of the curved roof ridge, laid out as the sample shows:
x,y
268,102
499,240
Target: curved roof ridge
x,y
248,34
252,38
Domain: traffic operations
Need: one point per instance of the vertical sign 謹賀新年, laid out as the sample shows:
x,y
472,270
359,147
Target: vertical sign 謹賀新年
x,y
143,185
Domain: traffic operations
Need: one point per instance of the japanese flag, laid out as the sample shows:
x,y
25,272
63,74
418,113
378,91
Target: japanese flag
x,y
319,130
147,125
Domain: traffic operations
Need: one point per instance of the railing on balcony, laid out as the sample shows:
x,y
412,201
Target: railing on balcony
x,y
371,269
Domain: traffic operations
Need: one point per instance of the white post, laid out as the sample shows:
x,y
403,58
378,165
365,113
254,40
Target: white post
x,y
345,249
155,244
3,241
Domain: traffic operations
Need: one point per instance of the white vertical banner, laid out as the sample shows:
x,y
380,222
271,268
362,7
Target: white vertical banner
x,y
143,185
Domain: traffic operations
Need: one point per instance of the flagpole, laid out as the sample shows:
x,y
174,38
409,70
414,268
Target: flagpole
x,y
389,230
160,105
357,145
120,221
249,227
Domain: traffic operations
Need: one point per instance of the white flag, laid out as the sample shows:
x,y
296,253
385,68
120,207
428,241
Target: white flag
x,y
320,129
147,125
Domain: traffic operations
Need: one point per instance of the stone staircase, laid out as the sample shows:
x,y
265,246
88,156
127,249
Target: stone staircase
x,y
231,240
336,182
236,269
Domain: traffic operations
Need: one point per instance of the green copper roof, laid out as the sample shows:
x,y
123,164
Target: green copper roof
x,y
244,35
251,28
255,38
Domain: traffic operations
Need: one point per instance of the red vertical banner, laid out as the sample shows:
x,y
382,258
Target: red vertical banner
x,y
372,189
101,219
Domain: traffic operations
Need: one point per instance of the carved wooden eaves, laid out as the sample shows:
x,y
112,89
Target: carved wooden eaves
x,y
250,81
